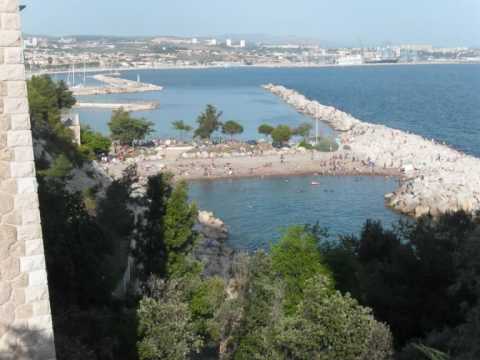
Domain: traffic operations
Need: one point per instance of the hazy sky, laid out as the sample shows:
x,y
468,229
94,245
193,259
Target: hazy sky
x,y
353,22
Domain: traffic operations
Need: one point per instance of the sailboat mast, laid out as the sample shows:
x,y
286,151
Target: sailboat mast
x,y
73,73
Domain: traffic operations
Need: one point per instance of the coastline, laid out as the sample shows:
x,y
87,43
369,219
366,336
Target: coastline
x,y
243,66
437,178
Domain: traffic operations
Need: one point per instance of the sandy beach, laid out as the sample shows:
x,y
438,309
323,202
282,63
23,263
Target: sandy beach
x,y
252,162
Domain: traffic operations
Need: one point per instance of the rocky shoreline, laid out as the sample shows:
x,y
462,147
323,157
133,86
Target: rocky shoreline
x,y
436,178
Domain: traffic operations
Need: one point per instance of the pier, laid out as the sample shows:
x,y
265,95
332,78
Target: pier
x,y
435,178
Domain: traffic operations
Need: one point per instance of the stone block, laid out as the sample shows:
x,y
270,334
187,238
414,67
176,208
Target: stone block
x,y
41,308
17,249
23,153
12,56
26,201
19,138
5,121
34,247
6,203
31,216
35,293
20,121
16,89
40,322
10,21
20,281
7,313
32,263
5,153
10,269
19,296
8,6
5,293
27,185
3,85
29,232
8,234
16,105
37,278
8,186
13,218
24,312
5,245
22,169
11,38
4,170
12,72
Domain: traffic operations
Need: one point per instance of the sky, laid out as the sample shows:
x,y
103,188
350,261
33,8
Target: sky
x,y
341,22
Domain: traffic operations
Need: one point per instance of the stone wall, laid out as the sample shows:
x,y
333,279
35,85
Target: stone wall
x,y
25,318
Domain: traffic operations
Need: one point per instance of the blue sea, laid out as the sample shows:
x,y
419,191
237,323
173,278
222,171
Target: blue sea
x,y
436,101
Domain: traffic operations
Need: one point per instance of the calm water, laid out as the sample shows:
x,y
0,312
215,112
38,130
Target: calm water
x,y
436,101
439,101
256,209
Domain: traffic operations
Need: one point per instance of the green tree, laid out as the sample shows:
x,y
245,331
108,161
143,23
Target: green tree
x,y
47,99
61,168
125,128
94,143
232,128
180,217
65,98
151,251
254,338
208,122
265,129
296,258
281,134
328,326
181,126
165,329
75,246
303,130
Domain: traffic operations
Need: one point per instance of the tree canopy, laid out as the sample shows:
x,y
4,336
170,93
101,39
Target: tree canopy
x,y
232,128
281,134
265,129
181,126
208,122
93,143
126,129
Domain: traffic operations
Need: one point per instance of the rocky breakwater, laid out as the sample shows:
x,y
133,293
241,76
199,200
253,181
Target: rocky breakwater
x,y
211,249
436,178
114,85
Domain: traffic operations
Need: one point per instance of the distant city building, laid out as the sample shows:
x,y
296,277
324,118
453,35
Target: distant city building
x,y
31,42
211,42
350,60
194,41
417,47
242,43
228,42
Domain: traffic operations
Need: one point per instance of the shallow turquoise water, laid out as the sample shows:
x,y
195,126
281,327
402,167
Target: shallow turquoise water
x,y
436,101
256,209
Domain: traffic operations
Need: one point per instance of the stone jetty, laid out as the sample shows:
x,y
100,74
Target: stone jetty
x,y
436,178
134,106
114,85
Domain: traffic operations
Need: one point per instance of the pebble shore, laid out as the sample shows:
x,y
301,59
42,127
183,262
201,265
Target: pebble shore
x,y
436,178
